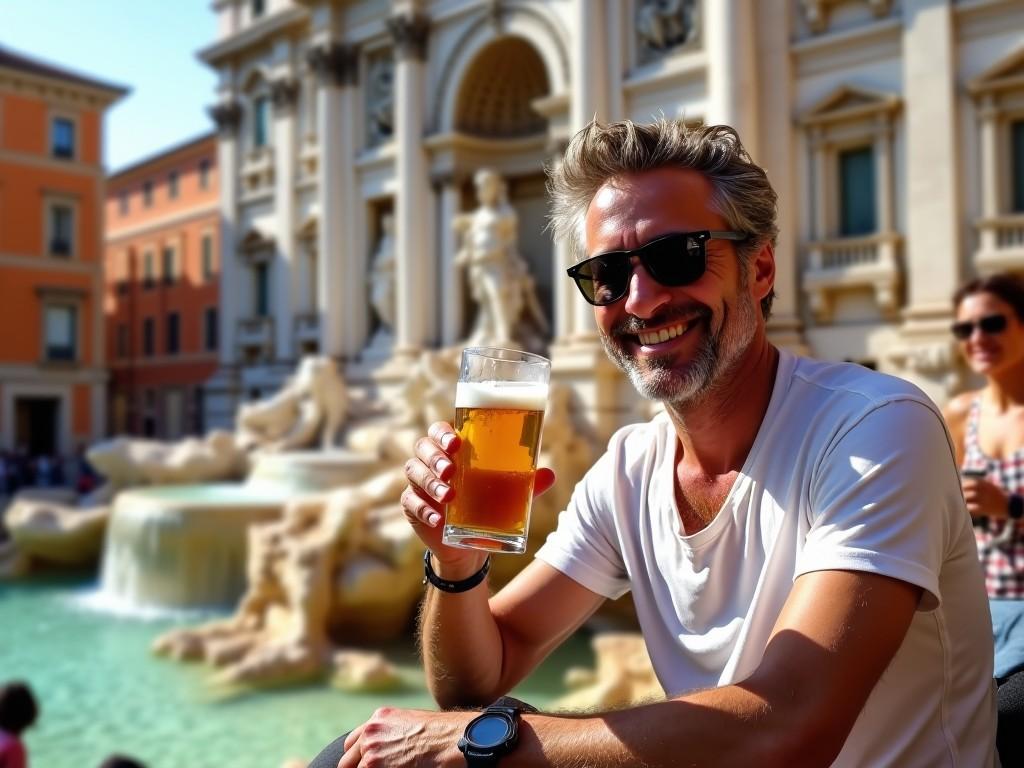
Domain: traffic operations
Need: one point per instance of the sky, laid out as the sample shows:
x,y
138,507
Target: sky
x,y
147,45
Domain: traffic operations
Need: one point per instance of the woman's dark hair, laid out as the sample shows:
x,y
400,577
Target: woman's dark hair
x,y
18,708
121,761
1006,285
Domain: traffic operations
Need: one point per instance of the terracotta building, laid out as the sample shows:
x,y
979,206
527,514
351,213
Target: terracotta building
x,y
52,378
162,283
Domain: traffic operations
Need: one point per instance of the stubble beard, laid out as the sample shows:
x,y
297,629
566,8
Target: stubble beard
x,y
685,386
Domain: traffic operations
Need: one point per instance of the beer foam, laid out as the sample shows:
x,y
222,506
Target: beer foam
x,y
525,395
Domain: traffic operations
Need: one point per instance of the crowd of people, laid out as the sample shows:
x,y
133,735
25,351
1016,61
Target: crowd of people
x,y
19,469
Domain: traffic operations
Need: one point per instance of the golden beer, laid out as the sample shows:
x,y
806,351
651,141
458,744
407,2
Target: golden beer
x,y
500,425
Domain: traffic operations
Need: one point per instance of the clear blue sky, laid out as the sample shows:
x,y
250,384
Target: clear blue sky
x,y
147,45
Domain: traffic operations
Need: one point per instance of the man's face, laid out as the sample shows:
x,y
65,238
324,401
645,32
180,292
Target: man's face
x,y
709,324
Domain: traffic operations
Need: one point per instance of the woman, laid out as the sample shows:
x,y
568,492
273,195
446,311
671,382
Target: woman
x,y
987,426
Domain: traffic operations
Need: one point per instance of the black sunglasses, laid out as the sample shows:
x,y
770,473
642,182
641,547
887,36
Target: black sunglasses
x,y
673,260
990,324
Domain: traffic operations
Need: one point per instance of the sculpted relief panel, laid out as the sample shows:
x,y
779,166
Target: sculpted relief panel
x,y
664,25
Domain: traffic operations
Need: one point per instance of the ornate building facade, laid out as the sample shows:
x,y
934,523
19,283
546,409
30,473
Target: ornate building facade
x,y
893,131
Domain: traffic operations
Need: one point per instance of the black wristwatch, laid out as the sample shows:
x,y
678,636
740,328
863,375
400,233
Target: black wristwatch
x,y
1015,506
494,733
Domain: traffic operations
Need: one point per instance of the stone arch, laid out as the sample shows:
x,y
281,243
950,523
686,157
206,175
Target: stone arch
x,y
495,98
531,26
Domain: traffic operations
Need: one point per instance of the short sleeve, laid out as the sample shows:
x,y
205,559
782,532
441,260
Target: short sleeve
x,y
584,545
885,498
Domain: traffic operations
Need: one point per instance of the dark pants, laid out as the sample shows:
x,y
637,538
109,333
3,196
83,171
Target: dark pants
x,y
1010,733
330,755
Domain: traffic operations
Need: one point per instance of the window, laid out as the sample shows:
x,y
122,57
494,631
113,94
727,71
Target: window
x,y
857,191
122,340
206,245
258,7
204,174
147,193
62,221
123,202
149,337
260,121
172,334
168,264
61,332
172,185
210,328
1017,150
62,138
262,278
148,270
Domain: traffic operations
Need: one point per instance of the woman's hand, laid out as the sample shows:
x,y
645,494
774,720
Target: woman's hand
x,y
985,499
430,473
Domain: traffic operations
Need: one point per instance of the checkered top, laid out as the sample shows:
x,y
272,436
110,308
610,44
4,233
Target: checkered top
x,y
1003,560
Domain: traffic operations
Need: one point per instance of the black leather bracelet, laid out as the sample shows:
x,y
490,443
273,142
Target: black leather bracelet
x,y
453,586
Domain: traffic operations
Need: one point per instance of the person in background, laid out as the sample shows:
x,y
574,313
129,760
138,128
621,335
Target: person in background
x,y
18,710
987,426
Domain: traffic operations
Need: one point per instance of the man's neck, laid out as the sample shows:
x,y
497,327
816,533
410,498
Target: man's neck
x,y
716,434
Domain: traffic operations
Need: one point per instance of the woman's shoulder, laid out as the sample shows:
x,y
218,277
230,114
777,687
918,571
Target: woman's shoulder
x,y
957,409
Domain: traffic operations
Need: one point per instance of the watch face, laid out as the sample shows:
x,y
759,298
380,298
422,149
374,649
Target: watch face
x,y
489,731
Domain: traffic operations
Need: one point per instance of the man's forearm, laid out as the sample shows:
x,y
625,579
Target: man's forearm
x,y
720,727
460,642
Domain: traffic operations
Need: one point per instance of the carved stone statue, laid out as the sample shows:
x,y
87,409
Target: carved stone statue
x,y
130,461
499,280
312,404
623,676
665,24
382,275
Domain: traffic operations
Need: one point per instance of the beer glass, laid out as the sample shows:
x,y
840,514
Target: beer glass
x,y
499,410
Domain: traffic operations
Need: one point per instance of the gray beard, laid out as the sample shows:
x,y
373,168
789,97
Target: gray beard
x,y
685,388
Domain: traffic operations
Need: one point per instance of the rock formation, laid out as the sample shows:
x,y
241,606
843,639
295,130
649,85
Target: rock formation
x,y
623,676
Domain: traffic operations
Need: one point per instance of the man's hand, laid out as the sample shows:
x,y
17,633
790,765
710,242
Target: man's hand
x,y
985,499
405,737
430,472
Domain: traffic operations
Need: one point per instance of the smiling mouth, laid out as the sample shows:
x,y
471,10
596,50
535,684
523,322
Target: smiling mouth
x,y
647,338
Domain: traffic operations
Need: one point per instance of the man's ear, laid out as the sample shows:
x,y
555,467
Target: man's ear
x,y
763,271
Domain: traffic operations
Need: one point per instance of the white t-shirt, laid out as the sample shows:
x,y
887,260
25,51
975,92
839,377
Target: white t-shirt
x,y
850,470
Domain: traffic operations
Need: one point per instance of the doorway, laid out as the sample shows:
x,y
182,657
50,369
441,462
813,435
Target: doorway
x,y
36,422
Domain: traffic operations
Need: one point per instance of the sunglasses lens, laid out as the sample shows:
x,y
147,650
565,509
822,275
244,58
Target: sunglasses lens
x,y
993,324
674,261
962,331
604,280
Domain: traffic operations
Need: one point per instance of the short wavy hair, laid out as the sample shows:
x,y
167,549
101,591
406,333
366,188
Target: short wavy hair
x,y
1007,286
741,192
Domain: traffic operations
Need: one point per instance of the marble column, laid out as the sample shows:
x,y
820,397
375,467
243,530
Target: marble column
x,y
415,272
589,78
227,116
342,317
284,93
933,221
883,175
991,178
452,283
731,46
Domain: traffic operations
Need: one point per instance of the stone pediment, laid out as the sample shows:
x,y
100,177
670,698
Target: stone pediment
x,y
1006,73
256,246
849,102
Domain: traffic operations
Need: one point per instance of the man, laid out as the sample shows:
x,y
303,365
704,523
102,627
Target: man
x,y
793,532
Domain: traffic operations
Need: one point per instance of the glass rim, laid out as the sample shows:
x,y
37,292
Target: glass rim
x,y
508,355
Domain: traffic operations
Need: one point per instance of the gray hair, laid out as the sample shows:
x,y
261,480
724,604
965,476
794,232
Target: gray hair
x,y
741,192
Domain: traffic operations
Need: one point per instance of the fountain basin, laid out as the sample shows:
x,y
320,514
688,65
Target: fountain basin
x,y
183,546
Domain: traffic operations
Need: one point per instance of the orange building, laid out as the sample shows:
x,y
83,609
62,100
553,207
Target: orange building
x,y
162,283
52,379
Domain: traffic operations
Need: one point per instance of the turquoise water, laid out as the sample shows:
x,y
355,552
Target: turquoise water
x,y
101,691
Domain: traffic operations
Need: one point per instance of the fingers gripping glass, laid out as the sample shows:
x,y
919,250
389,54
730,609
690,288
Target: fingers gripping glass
x,y
673,260
989,325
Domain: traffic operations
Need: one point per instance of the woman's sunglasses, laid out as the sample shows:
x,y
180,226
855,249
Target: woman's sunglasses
x,y
990,324
673,260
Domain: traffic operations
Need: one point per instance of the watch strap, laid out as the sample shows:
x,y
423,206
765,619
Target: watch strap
x,y
1015,506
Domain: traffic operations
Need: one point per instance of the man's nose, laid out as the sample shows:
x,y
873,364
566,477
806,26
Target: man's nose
x,y
645,295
